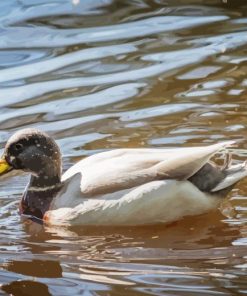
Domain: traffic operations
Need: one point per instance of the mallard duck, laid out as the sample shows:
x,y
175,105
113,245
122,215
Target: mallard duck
x,y
118,187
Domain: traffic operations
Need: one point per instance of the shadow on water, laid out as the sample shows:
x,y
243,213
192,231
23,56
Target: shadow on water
x,y
101,75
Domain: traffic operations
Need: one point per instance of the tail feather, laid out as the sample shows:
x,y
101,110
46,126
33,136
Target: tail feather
x,y
234,173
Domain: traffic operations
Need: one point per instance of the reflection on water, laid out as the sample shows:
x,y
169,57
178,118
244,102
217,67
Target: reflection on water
x,y
105,74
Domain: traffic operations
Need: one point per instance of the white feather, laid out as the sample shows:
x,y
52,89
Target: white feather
x,y
119,187
236,173
151,203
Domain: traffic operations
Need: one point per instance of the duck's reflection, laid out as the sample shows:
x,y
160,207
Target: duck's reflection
x,y
109,254
195,232
35,268
26,288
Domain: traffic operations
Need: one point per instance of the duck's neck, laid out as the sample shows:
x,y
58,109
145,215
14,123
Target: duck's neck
x,y
39,194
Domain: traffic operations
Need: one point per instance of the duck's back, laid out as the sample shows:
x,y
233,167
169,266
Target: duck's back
x,y
120,169
116,167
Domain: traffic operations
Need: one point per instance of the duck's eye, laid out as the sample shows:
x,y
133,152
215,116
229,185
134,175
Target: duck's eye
x,y
18,147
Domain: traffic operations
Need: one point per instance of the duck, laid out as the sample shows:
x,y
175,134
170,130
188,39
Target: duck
x,y
120,187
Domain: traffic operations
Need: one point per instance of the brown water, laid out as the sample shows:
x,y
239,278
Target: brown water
x,y
103,74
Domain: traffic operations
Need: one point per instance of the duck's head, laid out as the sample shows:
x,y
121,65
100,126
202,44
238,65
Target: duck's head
x,y
32,151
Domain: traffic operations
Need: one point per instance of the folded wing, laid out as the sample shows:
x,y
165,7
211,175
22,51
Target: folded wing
x,y
120,169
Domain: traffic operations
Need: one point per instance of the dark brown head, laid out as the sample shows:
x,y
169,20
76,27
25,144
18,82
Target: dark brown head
x,y
33,151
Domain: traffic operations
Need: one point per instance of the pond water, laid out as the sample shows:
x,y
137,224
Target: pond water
x,y
106,74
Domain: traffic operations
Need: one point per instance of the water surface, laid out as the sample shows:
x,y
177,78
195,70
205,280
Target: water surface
x,y
106,74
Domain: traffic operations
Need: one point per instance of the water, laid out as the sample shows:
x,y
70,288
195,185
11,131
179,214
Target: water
x,y
105,74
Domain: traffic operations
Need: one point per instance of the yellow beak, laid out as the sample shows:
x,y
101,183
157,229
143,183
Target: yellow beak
x,y
4,166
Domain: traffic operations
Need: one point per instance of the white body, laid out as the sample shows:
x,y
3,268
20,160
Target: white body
x,y
151,203
120,187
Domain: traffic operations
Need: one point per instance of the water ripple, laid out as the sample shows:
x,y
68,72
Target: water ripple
x,y
22,37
